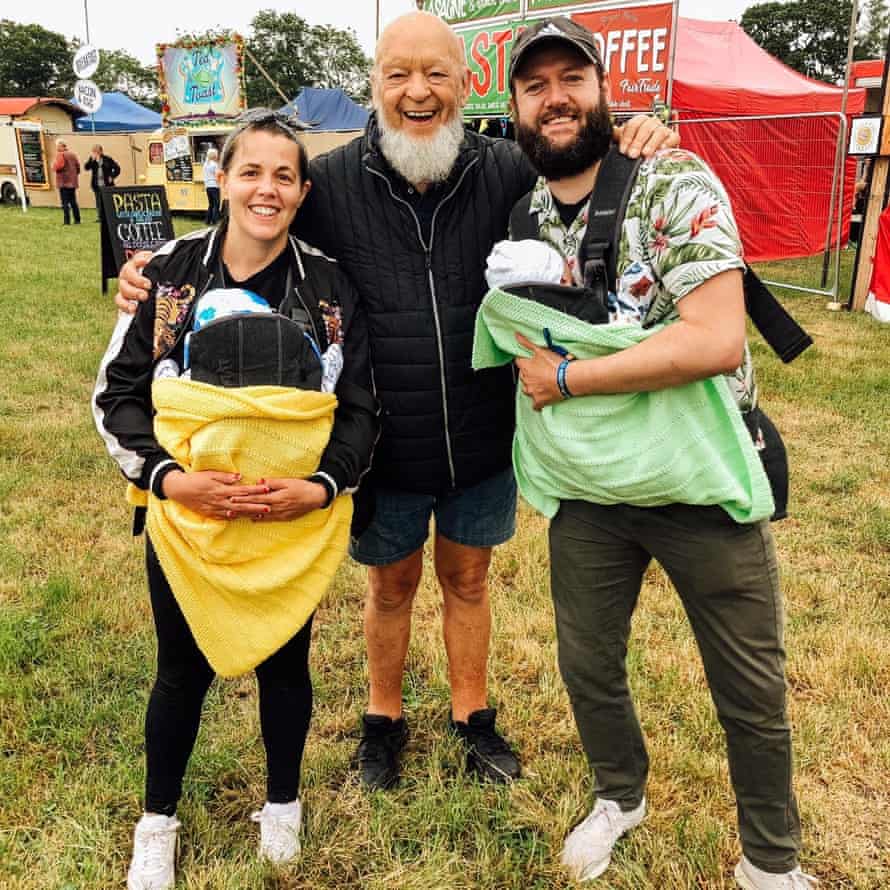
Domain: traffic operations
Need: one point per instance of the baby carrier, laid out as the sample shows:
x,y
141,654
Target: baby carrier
x,y
598,256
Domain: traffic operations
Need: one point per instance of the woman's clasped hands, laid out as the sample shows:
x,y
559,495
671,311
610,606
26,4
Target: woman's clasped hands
x,y
222,496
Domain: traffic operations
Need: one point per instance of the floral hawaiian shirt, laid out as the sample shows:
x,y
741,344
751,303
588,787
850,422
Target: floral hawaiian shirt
x,y
678,232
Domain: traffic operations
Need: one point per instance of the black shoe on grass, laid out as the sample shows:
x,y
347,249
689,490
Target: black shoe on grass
x,y
377,755
488,754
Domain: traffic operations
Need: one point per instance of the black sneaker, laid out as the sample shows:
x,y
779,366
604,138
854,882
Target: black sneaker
x,y
377,755
488,754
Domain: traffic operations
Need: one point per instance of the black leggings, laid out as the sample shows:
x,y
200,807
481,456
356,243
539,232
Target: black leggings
x,y
184,676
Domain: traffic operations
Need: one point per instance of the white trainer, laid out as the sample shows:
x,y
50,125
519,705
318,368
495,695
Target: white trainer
x,y
279,831
750,877
588,848
154,853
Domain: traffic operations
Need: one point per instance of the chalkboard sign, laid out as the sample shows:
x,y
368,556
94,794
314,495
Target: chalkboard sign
x,y
33,157
135,218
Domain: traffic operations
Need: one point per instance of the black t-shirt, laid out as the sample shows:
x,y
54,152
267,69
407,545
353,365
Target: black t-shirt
x,y
269,282
424,205
568,213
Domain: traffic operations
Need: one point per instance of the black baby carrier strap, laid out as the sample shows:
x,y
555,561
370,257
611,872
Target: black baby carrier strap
x,y
599,247
598,254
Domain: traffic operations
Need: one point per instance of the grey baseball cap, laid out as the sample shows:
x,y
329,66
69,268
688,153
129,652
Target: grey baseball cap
x,y
556,28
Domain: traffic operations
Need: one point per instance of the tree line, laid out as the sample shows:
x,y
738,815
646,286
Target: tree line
x,y
35,61
811,36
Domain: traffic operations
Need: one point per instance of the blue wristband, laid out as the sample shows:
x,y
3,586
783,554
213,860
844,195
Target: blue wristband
x,y
561,378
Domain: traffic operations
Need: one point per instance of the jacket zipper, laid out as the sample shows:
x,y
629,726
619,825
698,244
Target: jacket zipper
x,y
428,256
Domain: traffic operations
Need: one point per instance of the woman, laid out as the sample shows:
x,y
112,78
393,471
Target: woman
x,y
211,185
263,176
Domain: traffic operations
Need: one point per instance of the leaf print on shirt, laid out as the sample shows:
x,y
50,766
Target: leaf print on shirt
x,y
703,220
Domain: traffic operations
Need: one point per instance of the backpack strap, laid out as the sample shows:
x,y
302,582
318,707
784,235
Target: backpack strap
x,y
522,225
598,254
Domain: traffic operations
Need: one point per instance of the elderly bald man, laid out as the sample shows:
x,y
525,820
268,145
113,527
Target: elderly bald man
x,y
411,210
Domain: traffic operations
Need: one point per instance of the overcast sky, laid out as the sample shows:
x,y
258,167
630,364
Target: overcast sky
x,y
116,24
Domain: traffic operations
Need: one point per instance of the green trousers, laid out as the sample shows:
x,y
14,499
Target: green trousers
x,y
727,578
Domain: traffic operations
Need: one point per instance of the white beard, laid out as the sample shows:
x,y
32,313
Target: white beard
x,y
422,160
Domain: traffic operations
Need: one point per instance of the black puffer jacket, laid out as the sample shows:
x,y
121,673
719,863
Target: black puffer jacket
x,y
444,425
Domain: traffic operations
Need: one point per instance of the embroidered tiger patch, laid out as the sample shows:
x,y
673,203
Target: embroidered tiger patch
x,y
172,306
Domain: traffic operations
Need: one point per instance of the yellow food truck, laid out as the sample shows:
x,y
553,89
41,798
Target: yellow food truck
x,y
175,159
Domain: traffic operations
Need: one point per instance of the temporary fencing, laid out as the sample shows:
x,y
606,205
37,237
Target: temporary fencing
x,y
789,183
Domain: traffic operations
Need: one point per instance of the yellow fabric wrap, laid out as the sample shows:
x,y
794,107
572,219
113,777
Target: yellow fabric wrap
x,y
244,587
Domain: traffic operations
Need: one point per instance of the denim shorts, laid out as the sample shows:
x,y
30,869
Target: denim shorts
x,y
482,515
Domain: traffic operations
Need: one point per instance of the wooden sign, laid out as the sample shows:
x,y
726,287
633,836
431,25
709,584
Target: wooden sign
x,y
32,157
135,218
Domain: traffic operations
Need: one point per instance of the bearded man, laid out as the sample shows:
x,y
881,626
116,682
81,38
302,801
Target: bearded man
x,y
678,271
411,210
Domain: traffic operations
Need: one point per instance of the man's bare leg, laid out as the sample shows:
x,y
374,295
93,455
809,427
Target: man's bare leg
x,y
463,575
388,606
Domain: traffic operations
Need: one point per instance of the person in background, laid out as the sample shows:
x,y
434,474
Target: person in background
x,y
211,186
103,172
67,169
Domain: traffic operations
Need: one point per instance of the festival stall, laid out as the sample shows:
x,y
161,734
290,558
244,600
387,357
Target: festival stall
x,y
778,172
328,111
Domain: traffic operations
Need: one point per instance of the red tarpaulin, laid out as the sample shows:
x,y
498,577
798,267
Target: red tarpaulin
x,y
778,173
878,303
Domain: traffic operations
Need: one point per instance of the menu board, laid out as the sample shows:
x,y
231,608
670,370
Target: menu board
x,y
179,170
32,156
135,218
178,156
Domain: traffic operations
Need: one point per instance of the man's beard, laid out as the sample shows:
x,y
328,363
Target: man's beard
x,y
422,160
560,162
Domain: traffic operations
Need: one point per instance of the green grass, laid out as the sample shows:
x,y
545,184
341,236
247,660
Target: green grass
x,y
76,650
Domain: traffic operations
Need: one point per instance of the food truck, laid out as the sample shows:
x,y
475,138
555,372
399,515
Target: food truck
x,y
175,159
202,92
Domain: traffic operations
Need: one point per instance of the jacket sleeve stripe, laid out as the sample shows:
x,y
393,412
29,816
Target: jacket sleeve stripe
x,y
129,461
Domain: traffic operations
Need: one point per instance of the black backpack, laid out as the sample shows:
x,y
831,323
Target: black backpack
x,y
598,256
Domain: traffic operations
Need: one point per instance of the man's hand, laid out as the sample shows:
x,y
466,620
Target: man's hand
x,y
215,495
134,286
644,135
285,499
537,374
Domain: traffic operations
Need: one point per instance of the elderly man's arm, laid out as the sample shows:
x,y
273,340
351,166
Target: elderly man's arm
x,y
644,135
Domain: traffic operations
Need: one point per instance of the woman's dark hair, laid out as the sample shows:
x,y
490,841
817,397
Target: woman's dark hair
x,y
269,121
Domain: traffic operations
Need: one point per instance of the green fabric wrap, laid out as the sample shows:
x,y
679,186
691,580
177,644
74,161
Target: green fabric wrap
x,y
684,445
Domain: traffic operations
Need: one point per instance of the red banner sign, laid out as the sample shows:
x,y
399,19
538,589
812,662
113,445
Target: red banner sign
x,y
634,41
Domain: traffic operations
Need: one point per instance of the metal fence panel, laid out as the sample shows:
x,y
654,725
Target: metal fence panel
x,y
783,176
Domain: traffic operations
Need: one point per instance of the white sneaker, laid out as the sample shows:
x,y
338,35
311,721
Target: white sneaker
x,y
588,848
750,877
279,831
154,853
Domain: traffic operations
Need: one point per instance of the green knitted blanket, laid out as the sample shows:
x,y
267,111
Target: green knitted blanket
x,y
685,445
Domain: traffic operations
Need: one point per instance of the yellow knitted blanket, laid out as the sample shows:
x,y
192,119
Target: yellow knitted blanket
x,y
245,588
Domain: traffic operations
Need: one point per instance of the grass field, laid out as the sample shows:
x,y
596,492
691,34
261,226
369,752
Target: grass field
x,y
76,651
